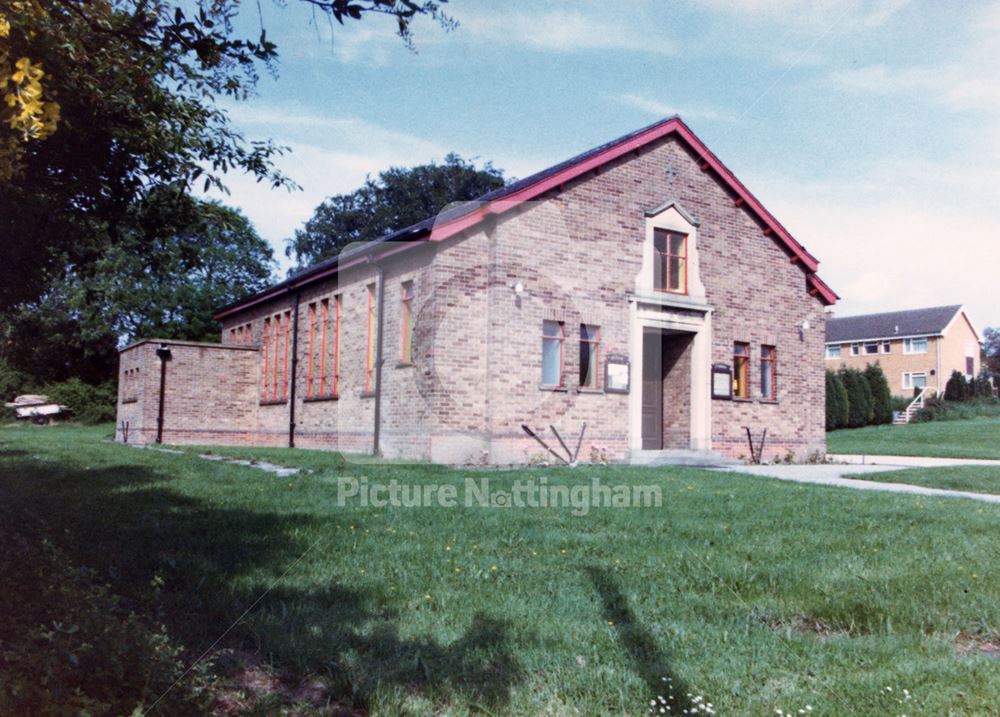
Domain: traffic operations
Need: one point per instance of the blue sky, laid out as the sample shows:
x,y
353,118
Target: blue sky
x,y
870,129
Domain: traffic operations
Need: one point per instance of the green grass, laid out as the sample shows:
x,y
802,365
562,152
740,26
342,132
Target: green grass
x,y
758,594
973,438
976,479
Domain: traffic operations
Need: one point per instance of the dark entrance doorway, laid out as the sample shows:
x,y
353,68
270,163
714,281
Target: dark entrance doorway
x,y
666,389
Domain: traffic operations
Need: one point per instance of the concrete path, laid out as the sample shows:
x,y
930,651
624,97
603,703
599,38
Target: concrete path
x,y
909,461
833,475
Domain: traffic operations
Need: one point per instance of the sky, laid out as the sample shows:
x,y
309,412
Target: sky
x,y
870,129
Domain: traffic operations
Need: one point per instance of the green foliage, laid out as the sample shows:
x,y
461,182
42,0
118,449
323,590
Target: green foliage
x,y
859,398
837,412
937,410
12,382
880,393
90,404
71,647
957,388
179,261
991,348
398,198
947,439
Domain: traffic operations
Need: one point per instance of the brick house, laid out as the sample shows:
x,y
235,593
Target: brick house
x,y
917,348
638,288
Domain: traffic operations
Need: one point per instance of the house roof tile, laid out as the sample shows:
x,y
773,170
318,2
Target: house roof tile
x,y
913,322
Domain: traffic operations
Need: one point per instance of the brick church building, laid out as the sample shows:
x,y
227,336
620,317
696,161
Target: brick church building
x,y
638,289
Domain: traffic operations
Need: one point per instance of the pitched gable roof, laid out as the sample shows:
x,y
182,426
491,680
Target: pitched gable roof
x,y
914,322
459,218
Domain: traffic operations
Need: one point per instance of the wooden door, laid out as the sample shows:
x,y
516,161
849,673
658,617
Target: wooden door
x,y
652,391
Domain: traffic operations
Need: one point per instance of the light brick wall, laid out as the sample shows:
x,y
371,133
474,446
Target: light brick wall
x,y
476,367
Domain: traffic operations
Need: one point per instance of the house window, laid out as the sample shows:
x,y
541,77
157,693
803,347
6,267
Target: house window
x,y
317,383
669,261
406,323
768,372
284,358
833,351
553,335
274,357
970,366
915,346
871,348
741,370
916,379
886,347
370,353
590,356
312,350
855,349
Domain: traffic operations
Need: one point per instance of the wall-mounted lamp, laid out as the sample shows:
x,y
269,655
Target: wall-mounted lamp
x,y
518,287
803,327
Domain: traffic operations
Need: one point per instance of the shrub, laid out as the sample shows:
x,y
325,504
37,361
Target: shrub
x,y
71,647
859,398
881,394
938,410
899,403
836,402
957,389
89,403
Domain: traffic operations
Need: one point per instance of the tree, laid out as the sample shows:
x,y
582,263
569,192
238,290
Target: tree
x,y
105,99
859,398
398,198
178,261
957,388
837,409
991,348
881,394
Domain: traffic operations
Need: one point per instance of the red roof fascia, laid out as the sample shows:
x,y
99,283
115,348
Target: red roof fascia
x,y
828,295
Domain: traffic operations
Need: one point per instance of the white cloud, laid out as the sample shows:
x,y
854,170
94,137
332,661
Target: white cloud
x,y
812,15
662,109
557,30
886,245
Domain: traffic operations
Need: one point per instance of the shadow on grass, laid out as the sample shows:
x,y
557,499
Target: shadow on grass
x,y
213,562
648,660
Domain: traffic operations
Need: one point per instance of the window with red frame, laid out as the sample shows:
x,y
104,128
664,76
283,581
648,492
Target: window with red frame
x,y
311,351
768,373
370,353
406,323
741,370
553,337
265,357
335,387
318,384
590,356
669,261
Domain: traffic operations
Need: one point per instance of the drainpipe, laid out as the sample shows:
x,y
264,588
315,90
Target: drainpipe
x,y
295,371
379,301
163,353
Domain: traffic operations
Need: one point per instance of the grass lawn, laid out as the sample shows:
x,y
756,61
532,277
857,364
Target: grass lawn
x,y
971,438
977,479
758,594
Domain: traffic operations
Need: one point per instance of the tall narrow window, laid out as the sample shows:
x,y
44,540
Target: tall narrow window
x,y
248,335
324,316
284,368
406,323
232,337
370,354
277,356
669,261
312,349
741,370
768,372
265,358
336,345
590,356
552,353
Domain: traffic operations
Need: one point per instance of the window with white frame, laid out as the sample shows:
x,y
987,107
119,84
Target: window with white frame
x,y
855,349
833,351
915,345
871,348
915,379
553,335
886,347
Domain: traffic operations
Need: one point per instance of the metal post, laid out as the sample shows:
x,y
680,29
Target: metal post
x,y
163,353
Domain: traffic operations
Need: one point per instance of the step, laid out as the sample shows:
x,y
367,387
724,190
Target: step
x,y
680,457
